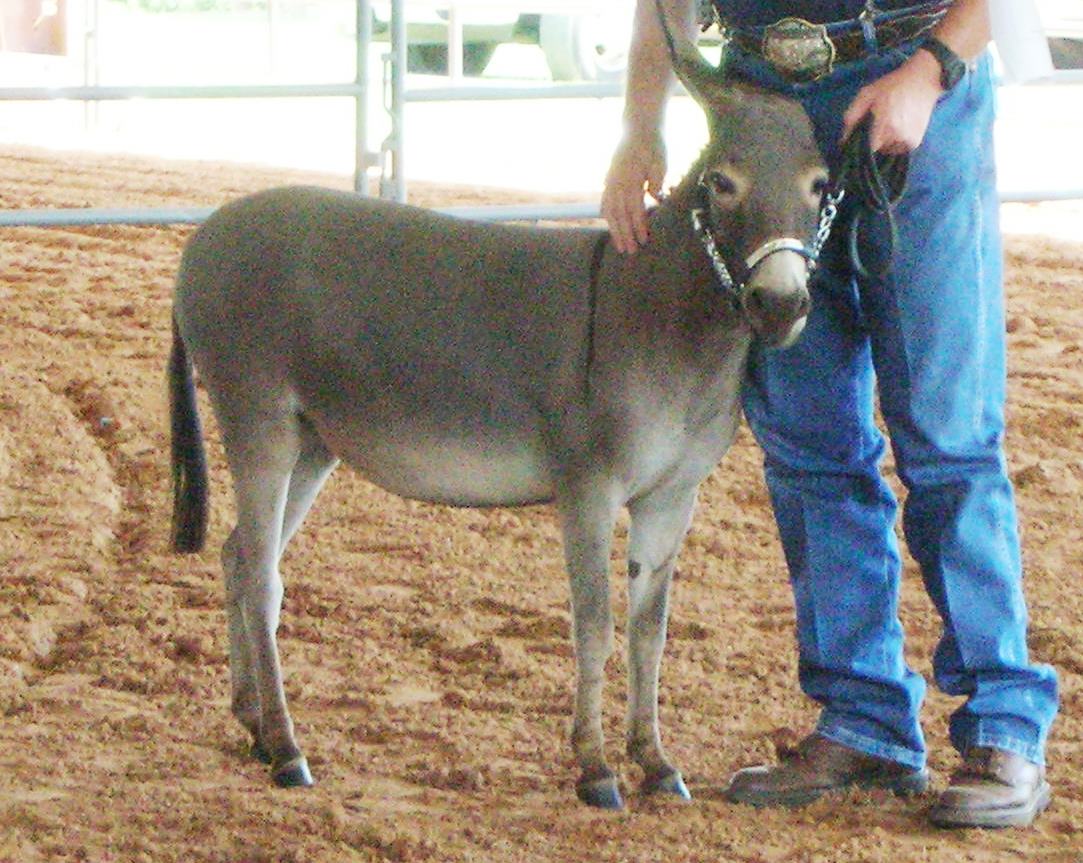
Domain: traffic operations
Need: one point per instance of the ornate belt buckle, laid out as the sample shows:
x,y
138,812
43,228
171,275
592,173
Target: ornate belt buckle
x,y
799,49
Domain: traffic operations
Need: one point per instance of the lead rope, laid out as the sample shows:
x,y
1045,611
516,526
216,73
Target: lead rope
x,y
875,183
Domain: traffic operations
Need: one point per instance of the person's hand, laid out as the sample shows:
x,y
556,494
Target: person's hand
x,y
901,104
639,164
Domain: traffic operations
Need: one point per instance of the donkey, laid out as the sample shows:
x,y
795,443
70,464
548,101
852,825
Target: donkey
x,y
474,364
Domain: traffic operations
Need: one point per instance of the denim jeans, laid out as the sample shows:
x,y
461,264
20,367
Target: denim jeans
x,y
928,338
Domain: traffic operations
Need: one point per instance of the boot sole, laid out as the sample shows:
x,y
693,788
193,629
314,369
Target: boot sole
x,y
901,786
1017,816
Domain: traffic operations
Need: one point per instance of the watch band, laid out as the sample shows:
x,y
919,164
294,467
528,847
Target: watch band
x,y
952,67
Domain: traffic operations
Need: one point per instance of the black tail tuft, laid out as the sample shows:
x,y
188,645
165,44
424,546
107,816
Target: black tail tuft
x,y
188,457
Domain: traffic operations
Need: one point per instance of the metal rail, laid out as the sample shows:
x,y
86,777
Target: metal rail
x,y
497,92
88,216
106,93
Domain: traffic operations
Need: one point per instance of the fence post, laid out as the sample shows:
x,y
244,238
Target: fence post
x,y
393,177
361,101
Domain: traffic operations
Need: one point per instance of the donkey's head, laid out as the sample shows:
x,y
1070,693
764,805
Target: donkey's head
x,y
761,180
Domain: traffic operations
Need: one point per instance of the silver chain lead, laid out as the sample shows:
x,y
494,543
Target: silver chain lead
x,y
828,213
725,280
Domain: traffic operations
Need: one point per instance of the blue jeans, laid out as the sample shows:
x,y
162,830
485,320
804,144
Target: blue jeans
x,y
929,338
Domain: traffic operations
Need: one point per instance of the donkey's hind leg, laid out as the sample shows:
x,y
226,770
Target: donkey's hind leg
x,y
659,523
263,452
314,464
244,695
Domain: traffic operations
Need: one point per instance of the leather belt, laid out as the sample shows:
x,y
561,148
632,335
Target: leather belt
x,y
803,51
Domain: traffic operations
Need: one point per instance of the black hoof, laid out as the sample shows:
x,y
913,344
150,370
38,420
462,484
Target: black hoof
x,y
600,793
667,783
293,774
259,753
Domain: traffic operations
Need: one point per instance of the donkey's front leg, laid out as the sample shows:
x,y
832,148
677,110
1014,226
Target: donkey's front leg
x,y
589,513
659,523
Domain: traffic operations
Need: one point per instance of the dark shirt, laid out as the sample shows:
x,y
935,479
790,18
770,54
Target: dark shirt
x,y
751,13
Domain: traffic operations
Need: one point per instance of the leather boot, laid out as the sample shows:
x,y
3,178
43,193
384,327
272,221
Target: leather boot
x,y
992,788
816,767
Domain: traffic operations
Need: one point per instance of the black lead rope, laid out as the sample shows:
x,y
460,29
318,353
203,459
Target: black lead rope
x,y
874,183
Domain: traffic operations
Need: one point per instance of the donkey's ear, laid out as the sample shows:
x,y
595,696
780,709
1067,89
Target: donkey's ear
x,y
703,81
700,78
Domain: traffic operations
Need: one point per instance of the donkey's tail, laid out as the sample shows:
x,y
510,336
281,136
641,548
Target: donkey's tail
x,y
188,457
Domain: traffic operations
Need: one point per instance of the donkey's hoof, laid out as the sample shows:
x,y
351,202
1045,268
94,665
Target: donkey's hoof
x,y
600,793
293,774
667,783
259,753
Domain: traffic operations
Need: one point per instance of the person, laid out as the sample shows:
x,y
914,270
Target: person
x,y
928,336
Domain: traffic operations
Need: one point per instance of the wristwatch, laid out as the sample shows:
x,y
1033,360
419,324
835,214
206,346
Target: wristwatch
x,y
952,67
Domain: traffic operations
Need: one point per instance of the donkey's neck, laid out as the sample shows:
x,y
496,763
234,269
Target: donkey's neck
x,y
662,317
672,275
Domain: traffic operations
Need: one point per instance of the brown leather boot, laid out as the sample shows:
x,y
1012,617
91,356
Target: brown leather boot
x,y
992,788
816,767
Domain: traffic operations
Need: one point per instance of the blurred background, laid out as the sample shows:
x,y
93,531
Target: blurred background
x,y
560,145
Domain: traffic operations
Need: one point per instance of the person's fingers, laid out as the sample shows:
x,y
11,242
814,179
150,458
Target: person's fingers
x,y
881,137
634,170
640,230
624,211
855,114
635,221
900,105
655,178
893,138
622,237
620,226
892,148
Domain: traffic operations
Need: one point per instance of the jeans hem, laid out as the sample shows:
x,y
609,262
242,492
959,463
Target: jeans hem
x,y
1033,752
833,730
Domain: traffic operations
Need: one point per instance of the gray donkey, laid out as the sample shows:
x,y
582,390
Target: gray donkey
x,y
472,364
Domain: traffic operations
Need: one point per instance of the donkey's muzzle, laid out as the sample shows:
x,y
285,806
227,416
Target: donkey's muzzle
x,y
776,299
777,316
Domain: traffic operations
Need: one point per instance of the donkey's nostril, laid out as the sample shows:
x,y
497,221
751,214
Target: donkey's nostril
x,y
757,302
777,303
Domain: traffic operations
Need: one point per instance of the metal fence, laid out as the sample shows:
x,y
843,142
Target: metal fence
x,y
389,159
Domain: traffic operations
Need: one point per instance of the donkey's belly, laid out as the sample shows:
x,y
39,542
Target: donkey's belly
x,y
485,468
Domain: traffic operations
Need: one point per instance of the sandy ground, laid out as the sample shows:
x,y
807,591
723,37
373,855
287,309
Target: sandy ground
x,y
426,648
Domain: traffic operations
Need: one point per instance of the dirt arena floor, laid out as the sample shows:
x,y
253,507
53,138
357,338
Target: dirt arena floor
x,y
426,649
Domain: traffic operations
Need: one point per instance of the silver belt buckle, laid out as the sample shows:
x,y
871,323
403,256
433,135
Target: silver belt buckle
x,y
799,49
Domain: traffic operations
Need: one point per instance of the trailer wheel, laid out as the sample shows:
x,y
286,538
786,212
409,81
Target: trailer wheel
x,y
590,47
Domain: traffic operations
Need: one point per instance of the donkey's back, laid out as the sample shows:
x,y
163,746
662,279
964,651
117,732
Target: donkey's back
x,y
365,271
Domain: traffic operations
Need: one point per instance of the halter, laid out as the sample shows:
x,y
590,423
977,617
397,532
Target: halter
x,y
733,290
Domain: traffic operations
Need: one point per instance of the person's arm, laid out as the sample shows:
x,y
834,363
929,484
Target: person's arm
x,y
639,162
902,101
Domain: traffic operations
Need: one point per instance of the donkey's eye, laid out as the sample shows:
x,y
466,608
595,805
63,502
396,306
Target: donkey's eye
x,y
720,183
819,186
